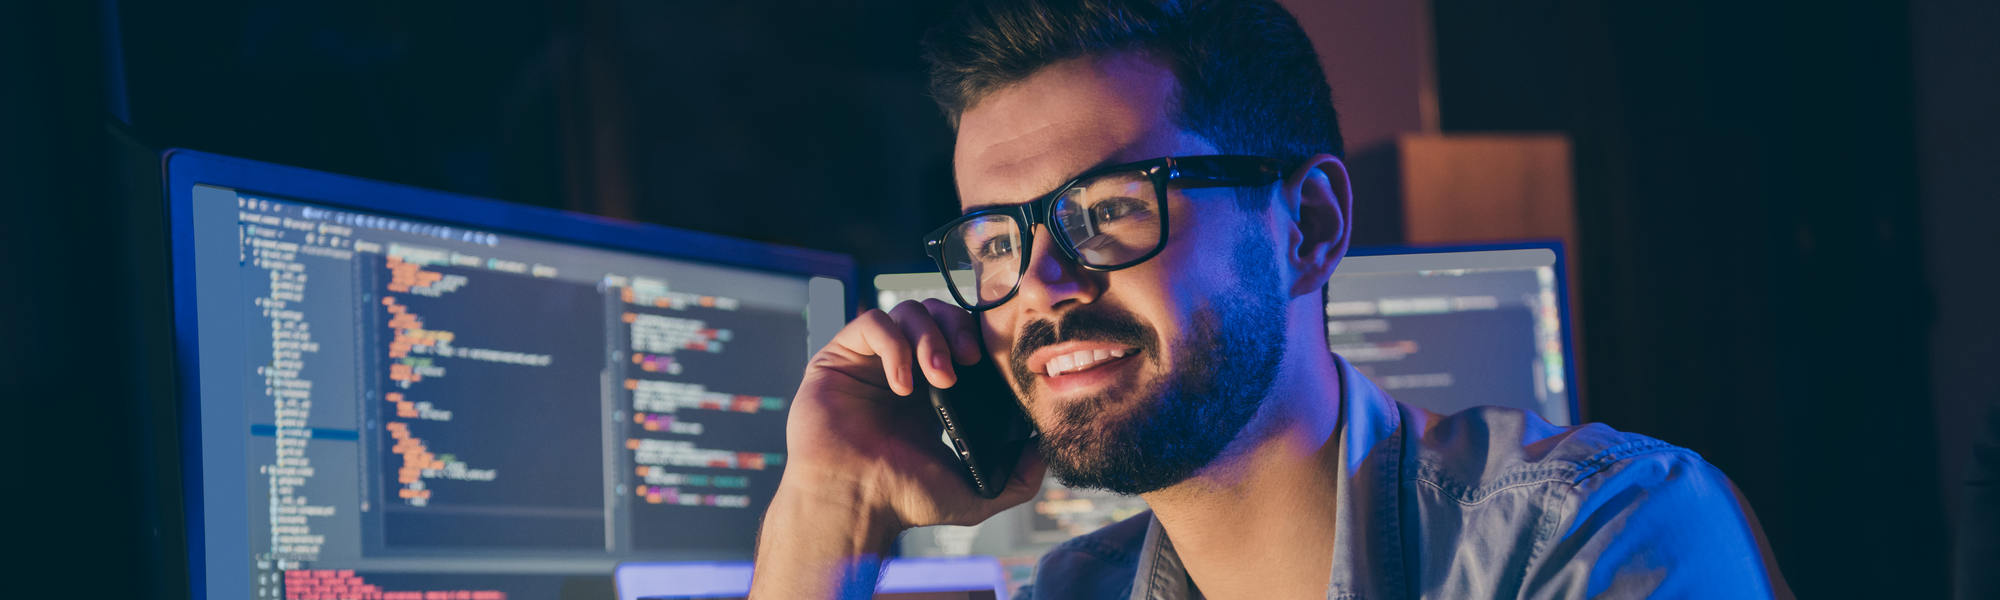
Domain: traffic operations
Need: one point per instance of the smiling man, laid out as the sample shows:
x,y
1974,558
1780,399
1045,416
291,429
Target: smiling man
x,y
1152,198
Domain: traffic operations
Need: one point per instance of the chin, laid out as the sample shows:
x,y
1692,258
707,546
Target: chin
x,y
1115,442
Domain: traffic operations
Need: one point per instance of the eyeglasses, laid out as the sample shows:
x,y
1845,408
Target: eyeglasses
x,y
1106,219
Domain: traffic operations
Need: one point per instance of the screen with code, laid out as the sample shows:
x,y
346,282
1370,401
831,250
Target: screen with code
x,y
1451,330
393,407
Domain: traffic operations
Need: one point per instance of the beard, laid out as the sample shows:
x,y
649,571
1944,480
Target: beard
x,y
1224,368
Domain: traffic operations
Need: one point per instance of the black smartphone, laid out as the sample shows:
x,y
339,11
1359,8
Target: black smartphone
x,y
984,424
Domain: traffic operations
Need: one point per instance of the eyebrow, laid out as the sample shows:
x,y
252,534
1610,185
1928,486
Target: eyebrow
x,y
988,206
1101,163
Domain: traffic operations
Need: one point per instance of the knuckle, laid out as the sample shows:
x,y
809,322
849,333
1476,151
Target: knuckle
x,y
908,308
824,359
918,325
877,326
867,318
940,307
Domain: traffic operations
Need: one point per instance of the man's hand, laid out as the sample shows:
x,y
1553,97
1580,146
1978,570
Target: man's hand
x,y
865,461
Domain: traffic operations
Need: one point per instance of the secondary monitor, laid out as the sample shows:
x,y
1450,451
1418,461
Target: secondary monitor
x,y
1448,329
390,392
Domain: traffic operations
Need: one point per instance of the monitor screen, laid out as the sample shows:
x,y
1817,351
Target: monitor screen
x,y
893,288
391,392
1444,329
1447,329
955,578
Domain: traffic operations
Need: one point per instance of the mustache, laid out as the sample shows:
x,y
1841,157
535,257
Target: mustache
x,y
1096,325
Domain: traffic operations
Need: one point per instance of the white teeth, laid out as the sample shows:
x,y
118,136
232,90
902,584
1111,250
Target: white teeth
x,y
1077,361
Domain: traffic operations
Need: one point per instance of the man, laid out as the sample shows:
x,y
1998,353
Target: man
x,y
1156,308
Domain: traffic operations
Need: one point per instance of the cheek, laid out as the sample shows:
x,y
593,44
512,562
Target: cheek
x,y
996,332
1194,269
1161,295
1164,290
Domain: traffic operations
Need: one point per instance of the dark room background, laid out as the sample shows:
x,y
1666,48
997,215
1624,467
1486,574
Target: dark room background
x,y
1783,208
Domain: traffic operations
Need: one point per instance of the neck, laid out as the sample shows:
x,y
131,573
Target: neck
x,y
1258,521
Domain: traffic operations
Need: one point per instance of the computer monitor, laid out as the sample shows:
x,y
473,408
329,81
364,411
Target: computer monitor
x,y
389,392
951,578
893,288
1450,328
1442,328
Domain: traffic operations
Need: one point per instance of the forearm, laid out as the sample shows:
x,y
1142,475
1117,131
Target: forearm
x,y
820,543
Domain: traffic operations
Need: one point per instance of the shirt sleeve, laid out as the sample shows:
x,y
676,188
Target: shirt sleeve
x,y
1664,524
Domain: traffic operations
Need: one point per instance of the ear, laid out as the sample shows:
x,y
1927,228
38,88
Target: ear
x,y
1320,204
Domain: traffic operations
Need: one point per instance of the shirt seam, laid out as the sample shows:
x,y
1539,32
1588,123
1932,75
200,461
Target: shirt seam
x,y
1572,473
1463,501
1157,584
1607,457
1554,514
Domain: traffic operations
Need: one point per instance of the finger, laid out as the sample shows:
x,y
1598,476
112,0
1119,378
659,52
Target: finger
x,y
933,353
960,326
879,336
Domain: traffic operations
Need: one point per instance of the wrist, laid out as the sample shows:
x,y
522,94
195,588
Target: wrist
x,y
821,540
836,507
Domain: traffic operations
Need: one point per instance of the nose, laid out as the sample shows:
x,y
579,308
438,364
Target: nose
x,y
1053,280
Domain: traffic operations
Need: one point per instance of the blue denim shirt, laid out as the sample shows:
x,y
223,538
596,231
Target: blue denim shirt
x,y
1486,503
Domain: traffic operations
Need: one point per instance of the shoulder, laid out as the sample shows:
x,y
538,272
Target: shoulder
x,y
1476,453
1589,509
1099,564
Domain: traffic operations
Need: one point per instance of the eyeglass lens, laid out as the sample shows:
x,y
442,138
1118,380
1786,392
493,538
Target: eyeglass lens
x,y
1109,221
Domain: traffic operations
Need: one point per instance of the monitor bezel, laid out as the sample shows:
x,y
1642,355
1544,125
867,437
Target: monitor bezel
x,y
184,169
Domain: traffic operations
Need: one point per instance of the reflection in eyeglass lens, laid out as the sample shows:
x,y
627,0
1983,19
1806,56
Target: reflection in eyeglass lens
x,y
1110,220
989,247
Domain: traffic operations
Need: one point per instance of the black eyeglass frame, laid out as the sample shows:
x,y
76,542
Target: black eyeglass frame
x,y
1215,170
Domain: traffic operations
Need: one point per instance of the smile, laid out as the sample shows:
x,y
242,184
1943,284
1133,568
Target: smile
x,y
1076,357
1083,360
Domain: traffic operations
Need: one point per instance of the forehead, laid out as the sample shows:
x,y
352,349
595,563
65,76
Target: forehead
x,y
1025,139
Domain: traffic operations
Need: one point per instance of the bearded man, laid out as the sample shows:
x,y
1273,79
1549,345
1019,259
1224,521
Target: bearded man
x,y
1153,197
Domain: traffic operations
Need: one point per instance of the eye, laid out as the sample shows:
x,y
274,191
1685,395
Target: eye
x,y
1113,209
995,248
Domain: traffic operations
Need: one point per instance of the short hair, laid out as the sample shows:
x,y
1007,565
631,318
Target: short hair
x,y
1248,79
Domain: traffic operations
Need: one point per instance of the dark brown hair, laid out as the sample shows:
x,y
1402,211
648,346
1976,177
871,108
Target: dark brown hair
x,y
1250,82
